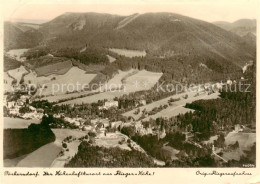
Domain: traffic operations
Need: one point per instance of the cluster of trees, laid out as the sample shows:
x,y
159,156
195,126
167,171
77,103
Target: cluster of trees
x,y
95,156
190,155
42,104
13,96
151,144
90,55
57,122
177,68
24,109
211,116
36,52
10,64
155,110
18,142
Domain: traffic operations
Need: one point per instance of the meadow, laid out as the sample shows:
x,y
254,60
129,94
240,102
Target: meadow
x,y
17,54
56,68
173,110
245,140
18,73
18,122
60,84
122,83
111,59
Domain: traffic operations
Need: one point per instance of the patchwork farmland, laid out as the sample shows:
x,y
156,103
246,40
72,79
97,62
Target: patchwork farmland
x,y
124,82
56,68
55,84
173,110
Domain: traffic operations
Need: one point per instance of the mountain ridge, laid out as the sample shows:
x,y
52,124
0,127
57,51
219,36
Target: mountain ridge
x,y
240,27
168,39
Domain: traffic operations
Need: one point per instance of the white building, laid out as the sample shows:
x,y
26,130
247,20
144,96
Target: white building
x,y
141,130
14,111
32,108
229,82
87,128
33,115
110,104
11,104
238,128
116,124
143,102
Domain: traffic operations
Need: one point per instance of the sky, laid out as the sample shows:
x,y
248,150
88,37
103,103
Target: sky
x,y
207,10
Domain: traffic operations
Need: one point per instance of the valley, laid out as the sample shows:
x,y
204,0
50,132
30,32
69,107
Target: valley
x,y
104,98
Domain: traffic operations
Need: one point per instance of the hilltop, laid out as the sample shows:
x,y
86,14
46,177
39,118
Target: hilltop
x,y
240,27
181,43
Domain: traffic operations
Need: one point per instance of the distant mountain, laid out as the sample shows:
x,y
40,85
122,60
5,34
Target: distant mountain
x,y
21,35
240,27
30,21
164,34
178,39
250,38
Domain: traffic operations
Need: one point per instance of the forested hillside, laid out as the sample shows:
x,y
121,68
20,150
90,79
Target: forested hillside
x,y
183,48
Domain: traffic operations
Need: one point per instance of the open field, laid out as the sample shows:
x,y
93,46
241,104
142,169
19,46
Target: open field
x,y
122,83
170,112
128,53
116,81
17,53
176,108
142,80
63,133
245,140
42,157
111,59
18,73
60,84
18,123
91,68
56,68
33,79
112,140
108,91
233,155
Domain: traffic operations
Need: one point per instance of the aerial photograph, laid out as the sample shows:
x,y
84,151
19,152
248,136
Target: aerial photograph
x,y
138,86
